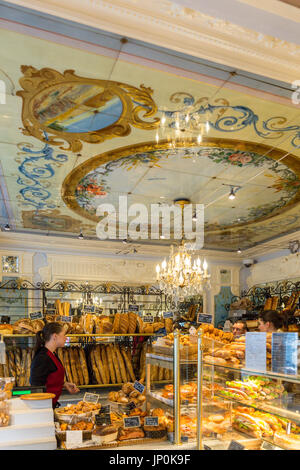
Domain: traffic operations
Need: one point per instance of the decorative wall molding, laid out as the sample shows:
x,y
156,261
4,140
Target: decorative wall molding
x,y
277,269
167,24
25,264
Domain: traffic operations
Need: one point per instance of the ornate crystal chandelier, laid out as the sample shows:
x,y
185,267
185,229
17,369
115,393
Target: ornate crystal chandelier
x,y
181,276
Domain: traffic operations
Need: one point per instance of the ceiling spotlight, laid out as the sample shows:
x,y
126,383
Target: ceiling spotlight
x,y
194,217
231,194
80,236
239,251
162,237
125,241
7,227
134,250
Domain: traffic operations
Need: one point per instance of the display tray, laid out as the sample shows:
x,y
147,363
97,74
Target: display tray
x,y
114,444
169,402
185,352
250,443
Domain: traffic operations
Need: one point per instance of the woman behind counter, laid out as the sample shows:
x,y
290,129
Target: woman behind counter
x,y
46,368
270,321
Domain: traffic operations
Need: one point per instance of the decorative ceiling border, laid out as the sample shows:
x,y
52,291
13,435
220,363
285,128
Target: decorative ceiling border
x,y
166,24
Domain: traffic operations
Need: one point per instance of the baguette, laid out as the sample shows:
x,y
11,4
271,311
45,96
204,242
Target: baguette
x,y
161,373
18,366
78,366
116,364
140,324
110,365
28,367
143,363
94,367
105,363
23,365
1,371
128,362
124,323
168,325
5,366
99,364
73,366
11,365
84,366
121,364
116,324
132,322
67,366
154,373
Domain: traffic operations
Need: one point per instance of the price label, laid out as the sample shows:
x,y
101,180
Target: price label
x,y
73,439
268,446
5,319
91,397
105,410
151,421
66,319
102,419
133,308
148,319
99,310
132,405
89,309
206,447
168,314
204,318
138,386
234,445
133,422
36,316
184,439
193,331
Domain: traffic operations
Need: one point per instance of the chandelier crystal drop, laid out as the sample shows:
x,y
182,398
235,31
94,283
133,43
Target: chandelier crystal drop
x,y
182,276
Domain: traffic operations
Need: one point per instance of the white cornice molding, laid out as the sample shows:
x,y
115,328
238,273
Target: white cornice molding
x,y
166,24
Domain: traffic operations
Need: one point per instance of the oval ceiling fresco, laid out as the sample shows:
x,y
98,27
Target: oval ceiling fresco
x,y
149,173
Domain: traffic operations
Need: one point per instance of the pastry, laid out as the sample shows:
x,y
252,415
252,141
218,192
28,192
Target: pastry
x,y
130,433
143,363
128,362
116,324
132,322
104,434
110,365
124,323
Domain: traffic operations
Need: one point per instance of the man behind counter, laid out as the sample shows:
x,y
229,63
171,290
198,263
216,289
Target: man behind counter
x,y
239,328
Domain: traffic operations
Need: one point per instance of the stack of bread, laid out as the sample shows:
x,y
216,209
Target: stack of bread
x,y
27,326
111,364
292,302
62,308
232,354
271,303
75,364
18,363
6,329
131,322
208,331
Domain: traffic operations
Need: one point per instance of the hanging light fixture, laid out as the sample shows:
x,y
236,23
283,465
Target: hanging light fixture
x,y
231,194
182,275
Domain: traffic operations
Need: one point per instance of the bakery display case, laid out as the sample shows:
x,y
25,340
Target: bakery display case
x,y
175,397
260,410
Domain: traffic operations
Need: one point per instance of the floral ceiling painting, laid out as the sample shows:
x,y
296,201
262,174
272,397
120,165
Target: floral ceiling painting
x,y
81,130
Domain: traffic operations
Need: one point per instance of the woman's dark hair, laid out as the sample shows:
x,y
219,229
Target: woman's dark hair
x,y
273,317
45,334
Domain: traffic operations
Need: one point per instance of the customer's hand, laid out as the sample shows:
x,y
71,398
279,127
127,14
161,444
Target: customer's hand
x,y
72,388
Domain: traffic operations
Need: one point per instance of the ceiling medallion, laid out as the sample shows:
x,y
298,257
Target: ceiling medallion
x,y
77,109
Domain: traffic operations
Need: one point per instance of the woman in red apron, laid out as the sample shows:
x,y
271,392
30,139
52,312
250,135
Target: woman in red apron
x,y
46,368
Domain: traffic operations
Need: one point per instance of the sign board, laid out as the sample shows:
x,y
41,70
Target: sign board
x,y
148,319
73,439
132,405
103,419
256,351
132,422
234,445
138,386
66,319
168,314
268,446
104,410
284,353
36,316
91,397
89,309
133,308
151,421
204,318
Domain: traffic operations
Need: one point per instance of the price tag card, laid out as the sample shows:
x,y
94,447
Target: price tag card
x,y
234,445
168,314
66,319
284,353
36,316
91,397
206,447
204,318
132,405
138,386
89,309
99,310
268,446
133,308
73,439
133,422
102,419
151,421
256,351
184,439
148,319
105,410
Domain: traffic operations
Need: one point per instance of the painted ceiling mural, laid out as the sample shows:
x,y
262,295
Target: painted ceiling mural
x,y
83,128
